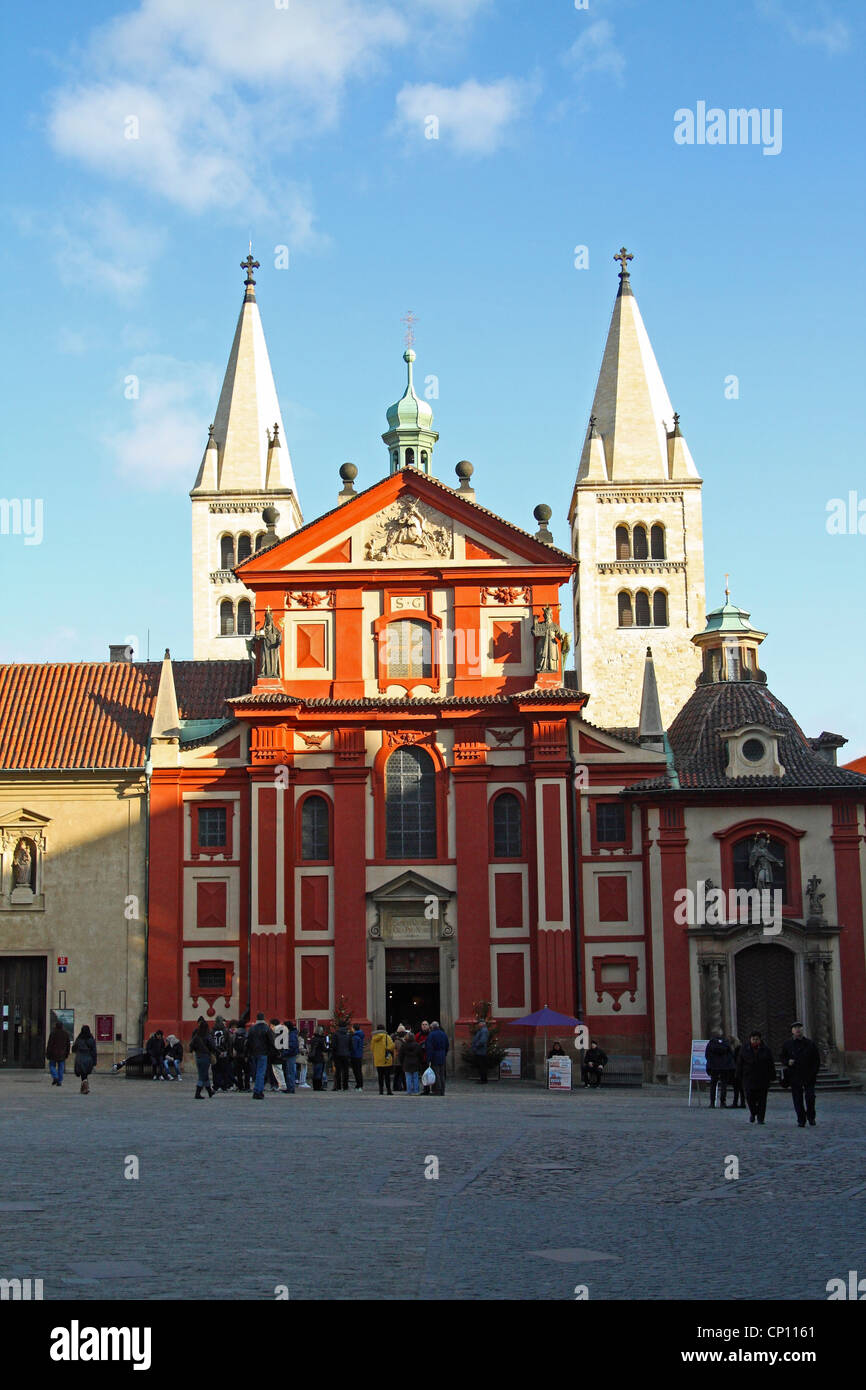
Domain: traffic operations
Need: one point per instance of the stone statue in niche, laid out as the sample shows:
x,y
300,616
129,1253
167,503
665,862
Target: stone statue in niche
x,y
23,864
549,641
816,899
761,861
269,638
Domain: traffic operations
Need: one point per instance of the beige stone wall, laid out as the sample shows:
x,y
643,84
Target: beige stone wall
x,y
93,882
610,659
207,528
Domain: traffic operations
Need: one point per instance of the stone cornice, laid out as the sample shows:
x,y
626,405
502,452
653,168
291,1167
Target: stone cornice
x,y
640,566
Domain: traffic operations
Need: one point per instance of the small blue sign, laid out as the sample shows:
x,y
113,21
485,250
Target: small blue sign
x,y
62,969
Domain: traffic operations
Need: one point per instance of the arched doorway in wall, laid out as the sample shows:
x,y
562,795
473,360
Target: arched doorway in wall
x,y
766,994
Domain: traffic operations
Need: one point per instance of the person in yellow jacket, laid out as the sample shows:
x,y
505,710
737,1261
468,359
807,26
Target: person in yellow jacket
x,y
382,1048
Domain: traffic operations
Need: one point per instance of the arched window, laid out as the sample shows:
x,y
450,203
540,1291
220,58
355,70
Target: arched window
x,y
245,547
410,805
641,609
259,538
507,826
315,829
410,458
660,608
640,550
657,542
623,545
396,458
227,552
245,618
408,650
424,458
227,618
624,605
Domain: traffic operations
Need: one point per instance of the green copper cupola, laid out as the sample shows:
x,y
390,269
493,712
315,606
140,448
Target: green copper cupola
x,y
410,436
729,646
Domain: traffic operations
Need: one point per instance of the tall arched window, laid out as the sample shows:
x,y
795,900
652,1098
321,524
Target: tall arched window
x,y
227,618
660,608
641,609
424,458
623,546
410,458
624,607
245,618
410,805
396,458
640,550
227,552
315,829
507,826
245,547
657,542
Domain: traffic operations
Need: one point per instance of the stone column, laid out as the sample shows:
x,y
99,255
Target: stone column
x,y
712,968
819,968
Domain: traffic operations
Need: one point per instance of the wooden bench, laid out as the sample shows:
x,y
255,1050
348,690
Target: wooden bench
x,y
622,1070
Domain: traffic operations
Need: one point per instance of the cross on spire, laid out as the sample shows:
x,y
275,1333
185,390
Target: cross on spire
x,y
727,589
249,265
410,320
623,257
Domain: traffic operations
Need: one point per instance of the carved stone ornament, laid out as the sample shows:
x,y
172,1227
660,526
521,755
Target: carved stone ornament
x,y
310,598
505,596
409,530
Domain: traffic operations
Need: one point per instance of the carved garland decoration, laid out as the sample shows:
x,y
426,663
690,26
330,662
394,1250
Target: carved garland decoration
x,y
310,598
505,596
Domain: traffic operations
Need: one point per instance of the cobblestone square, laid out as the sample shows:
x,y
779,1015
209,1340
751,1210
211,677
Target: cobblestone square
x,y
537,1193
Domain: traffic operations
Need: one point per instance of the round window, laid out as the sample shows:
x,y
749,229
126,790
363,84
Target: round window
x,y
754,750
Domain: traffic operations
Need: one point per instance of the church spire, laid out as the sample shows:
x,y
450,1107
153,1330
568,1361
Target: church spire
x,y
651,731
633,412
410,435
248,406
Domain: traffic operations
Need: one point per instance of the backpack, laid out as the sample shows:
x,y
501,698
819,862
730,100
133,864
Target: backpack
x,y
240,1044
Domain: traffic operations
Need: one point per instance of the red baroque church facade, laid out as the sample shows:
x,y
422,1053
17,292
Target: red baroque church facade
x,y
387,815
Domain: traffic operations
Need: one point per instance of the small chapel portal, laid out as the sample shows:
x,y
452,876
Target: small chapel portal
x,y
411,986
766,994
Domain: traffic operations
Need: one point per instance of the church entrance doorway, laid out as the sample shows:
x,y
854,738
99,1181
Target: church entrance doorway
x,y
411,986
766,994
22,1011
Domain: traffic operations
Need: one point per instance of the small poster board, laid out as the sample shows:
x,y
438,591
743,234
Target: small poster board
x,y
559,1073
698,1066
510,1064
105,1027
67,1018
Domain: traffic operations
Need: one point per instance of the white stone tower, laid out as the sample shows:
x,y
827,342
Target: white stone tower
x,y
636,532
246,467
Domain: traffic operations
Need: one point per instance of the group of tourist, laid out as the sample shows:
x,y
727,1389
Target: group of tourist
x,y
751,1070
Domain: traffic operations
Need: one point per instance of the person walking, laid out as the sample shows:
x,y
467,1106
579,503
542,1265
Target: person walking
x,y
317,1057
57,1050
437,1051
757,1072
478,1047
202,1048
260,1047
739,1099
410,1060
223,1078
239,1049
382,1048
341,1053
84,1048
720,1067
801,1060
357,1058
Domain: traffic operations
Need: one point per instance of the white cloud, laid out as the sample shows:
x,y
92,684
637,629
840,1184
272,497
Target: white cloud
x,y
162,444
99,249
829,32
596,51
474,116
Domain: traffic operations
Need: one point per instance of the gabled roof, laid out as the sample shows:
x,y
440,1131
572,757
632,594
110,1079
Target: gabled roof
x,y
92,715
374,499
721,707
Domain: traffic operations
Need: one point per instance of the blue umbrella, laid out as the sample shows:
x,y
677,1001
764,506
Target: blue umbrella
x,y
544,1018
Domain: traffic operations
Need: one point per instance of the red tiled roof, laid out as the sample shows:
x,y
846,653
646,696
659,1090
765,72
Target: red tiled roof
x,y
283,699
98,714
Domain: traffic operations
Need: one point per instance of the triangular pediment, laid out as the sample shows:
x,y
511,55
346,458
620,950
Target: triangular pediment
x,y
22,818
409,885
407,519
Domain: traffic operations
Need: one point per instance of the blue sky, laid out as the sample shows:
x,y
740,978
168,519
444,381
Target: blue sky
x,y
304,126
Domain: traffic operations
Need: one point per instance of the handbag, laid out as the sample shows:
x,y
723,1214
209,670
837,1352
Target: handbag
x,y
429,1077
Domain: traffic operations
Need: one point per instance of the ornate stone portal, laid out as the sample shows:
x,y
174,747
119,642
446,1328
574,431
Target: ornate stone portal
x,y
411,918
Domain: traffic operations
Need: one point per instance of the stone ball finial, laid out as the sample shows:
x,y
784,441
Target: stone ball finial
x,y
348,472
542,513
464,470
270,515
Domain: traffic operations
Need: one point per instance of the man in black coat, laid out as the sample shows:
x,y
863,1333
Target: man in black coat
x,y
341,1051
720,1067
801,1060
260,1049
757,1071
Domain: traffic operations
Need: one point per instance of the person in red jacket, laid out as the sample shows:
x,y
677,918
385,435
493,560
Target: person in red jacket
x,y
57,1050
